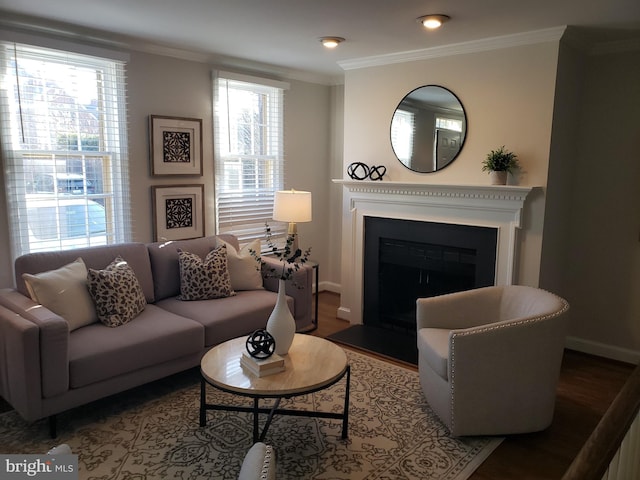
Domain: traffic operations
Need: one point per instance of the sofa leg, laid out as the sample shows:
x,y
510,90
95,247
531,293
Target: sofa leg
x,y
52,426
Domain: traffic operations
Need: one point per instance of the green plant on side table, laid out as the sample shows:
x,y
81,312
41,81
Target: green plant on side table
x,y
499,163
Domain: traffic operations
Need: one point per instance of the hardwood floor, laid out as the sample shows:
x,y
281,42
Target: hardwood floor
x,y
586,388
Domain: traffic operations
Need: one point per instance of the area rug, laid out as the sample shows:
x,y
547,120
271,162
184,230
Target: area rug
x,y
153,432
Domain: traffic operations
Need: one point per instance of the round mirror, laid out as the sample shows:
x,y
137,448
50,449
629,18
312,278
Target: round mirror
x,y
428,129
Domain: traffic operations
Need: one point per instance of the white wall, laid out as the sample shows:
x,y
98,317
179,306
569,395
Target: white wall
x,y
508,96
572,119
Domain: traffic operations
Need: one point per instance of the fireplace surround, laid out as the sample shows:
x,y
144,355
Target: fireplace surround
x,y
493,206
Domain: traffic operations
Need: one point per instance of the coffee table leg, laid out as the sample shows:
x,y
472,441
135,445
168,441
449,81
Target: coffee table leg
x,y
203,402
345,419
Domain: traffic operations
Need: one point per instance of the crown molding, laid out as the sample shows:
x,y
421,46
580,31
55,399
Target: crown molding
x,y
481,45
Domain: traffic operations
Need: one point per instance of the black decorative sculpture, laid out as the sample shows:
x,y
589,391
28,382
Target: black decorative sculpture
x,y
261,344
360,171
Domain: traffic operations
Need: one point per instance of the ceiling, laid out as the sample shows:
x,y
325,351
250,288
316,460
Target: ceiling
x,y
284,33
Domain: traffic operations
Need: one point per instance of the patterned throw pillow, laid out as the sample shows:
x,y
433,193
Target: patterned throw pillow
x,y
203,280
116,293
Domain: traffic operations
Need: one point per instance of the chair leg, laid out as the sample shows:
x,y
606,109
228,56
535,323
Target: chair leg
x,y
52,426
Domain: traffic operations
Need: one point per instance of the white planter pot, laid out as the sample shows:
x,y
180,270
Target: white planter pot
x,y
281,324
498,178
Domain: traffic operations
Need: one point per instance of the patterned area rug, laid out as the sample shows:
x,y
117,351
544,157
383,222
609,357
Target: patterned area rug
x,y
152,432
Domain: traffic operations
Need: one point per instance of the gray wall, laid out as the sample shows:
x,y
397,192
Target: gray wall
x,y
603,262
163,85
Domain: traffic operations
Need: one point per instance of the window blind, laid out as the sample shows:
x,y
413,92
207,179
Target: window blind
x,y
249,159
64,148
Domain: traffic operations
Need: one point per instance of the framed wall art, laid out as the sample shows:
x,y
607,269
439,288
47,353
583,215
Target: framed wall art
x,y
175,145
178,211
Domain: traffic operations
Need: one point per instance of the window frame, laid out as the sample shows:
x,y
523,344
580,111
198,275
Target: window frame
x,y
110,154
243,209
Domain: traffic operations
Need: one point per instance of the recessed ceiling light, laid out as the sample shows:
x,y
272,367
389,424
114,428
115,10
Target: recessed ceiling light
x,y
331,42
432,21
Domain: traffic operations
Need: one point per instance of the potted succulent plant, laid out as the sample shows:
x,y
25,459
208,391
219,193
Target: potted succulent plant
x,y
499,163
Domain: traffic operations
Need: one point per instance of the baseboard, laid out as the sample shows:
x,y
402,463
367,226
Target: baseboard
x,y
344,314
329,287
603,350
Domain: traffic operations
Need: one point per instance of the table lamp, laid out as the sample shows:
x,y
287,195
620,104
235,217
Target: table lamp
x,y
292,206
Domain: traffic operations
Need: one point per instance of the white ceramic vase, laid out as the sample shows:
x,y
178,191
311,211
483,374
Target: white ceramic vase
x,y
281,324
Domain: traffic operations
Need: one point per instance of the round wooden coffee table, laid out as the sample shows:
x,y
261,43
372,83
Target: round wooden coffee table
x,y
312,364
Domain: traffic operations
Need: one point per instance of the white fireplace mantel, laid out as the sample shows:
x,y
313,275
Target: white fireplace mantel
x,y
494,206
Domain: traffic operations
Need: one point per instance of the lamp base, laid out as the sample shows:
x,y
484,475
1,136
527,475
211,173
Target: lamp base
x,y
293,232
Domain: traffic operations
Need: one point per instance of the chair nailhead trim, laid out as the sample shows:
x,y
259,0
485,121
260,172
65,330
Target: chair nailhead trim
x,y
266,464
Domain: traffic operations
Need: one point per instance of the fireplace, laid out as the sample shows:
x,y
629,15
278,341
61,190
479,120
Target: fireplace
x,y
407,259
498,208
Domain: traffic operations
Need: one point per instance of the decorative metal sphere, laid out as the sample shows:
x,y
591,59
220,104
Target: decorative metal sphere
x,y
261,344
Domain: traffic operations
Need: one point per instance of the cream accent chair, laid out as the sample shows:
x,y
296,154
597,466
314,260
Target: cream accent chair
x,y
489,358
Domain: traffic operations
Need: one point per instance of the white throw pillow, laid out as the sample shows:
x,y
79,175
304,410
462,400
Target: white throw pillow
x,y
65,292
244,268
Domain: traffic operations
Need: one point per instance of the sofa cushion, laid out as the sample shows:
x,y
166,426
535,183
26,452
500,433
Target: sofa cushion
x,y
204,279
165,266
227,318
116,293
433,346
64,291
97,352
135,254
245,269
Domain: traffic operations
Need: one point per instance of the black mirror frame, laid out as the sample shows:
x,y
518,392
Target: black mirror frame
x,y
463,138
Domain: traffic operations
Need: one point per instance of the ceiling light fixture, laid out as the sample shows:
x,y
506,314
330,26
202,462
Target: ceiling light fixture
x,y
433,21
331,42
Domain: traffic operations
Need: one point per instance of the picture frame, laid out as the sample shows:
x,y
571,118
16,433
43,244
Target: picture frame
x,y
175,145
178,212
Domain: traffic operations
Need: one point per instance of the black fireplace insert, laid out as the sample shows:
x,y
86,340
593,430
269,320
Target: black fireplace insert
x,y
405,260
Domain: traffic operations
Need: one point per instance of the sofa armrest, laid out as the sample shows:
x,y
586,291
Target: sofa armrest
x,y
20,367
53,340
300,289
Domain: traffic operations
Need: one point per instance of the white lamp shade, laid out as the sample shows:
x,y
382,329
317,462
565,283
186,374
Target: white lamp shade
x,y
292,206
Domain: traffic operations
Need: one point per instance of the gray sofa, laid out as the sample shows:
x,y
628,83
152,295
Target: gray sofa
x,y
45,369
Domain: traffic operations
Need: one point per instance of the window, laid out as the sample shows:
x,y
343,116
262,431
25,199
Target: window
x,y
249,153
402,134
65,149
453,124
